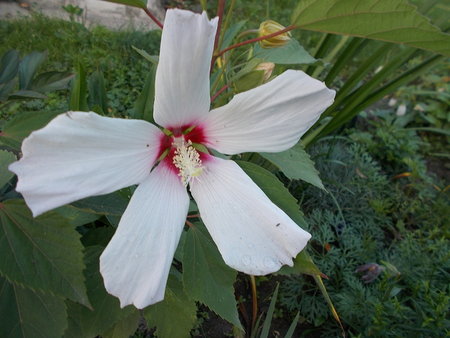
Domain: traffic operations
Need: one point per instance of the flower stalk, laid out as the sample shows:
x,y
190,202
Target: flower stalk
x,y
254,301
220,91
155,20
220,11
260,38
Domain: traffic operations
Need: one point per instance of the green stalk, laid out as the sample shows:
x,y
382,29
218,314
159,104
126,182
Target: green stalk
x,y
313,134
360,95
254,301
227,20
362,92
355,46
325,294
203,4
317,48
399,81
343,92
330,56
358,75
216,83
323,46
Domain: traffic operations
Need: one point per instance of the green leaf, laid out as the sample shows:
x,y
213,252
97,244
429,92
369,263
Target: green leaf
x,y
98,236
78,92
41,253
269,316
9,66
432,130
106,311
408,76
75,216
51,81
97,92
110,204
327,297
302,264
6,89
231,33
26,94
21,125
291,53
367,94
207,278
25,313
296,165
387,20
143,108
151,58
135,3
175,316
28,68
275,190
250,80
124,328
6,158
294,323
249,67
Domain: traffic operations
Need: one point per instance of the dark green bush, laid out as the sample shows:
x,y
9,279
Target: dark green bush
x,y
370,216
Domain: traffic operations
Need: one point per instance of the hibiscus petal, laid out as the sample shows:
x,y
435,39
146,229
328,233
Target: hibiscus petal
x,y
253,235
269,118
83,154
182,77
136,263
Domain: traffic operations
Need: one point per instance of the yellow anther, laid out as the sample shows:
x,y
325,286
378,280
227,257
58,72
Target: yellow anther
x,y
187,160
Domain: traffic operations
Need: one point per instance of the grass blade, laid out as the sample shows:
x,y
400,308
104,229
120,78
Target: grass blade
x,y
334,313
268,320
291,330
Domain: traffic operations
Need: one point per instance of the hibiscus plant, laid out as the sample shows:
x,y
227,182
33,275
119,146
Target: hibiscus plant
x,y
190,178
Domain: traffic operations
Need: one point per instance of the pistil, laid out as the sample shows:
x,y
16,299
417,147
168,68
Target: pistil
x,y
187,160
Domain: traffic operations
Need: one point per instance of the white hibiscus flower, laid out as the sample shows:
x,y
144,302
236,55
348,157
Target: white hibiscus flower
x,y
82,154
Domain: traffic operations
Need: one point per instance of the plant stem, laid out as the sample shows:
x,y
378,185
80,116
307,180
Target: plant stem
x,y
217,80
243,43
220,10
360,95
320,51
354,47
220,91
330,56
226,23
150,14
403,79
254,301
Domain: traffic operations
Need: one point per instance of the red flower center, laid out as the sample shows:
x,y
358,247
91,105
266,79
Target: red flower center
x,y
192,136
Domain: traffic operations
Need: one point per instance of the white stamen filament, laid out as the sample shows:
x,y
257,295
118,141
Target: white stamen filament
x,y
187,160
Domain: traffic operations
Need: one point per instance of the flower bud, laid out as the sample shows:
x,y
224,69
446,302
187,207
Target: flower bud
x,y
256,77
371,271
269,27
267,68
